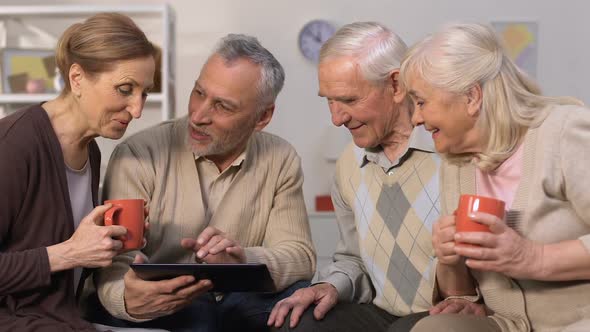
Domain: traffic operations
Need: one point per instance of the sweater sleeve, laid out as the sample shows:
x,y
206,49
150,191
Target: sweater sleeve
x,y
125,178
444,211
347,272
288,251
25,269
575,161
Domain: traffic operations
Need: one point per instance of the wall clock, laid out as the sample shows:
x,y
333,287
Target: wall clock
x,y
312,37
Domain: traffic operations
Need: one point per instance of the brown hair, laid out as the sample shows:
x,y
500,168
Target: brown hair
x,y
100,41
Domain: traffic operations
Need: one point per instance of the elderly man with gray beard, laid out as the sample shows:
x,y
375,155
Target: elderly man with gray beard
x,y
219,190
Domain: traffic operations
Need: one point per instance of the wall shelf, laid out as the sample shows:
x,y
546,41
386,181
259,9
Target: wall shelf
x,y
162,12
25,98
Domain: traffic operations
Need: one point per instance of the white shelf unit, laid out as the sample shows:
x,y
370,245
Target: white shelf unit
x,y
325,236
160,11
26,98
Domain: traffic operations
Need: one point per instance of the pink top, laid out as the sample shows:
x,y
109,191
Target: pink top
x,y
502,182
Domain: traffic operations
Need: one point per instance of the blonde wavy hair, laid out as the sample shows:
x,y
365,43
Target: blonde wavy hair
x,y
462,55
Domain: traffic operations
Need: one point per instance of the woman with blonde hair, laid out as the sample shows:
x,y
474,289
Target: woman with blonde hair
x,y
49,218
501,138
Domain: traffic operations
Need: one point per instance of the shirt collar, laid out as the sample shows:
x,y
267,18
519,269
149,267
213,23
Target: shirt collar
x,y
420,139
237,162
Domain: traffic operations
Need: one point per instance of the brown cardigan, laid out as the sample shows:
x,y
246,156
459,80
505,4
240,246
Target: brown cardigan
x,y
35,213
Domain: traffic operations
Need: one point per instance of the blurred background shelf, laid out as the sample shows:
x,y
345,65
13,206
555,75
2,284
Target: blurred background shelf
x,y
38,27
325,236
156,20
27,98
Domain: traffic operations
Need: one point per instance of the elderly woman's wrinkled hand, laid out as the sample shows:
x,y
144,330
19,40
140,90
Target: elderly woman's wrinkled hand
x,y
503,250
93,245
459,306
443,241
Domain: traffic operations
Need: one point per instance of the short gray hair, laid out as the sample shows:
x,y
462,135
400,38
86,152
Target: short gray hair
x,y
463,55
272,74
377,49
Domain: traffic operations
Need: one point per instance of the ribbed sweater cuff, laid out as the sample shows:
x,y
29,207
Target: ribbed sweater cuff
x,y
116,305
44,267
585,241
254,255
342,284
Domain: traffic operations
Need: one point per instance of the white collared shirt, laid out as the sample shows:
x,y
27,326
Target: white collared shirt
x,y
420,139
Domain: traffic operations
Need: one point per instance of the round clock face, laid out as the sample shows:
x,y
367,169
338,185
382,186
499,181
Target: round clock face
x,y
312,37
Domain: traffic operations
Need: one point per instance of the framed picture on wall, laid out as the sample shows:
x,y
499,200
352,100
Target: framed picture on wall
x,y
27,70
520,40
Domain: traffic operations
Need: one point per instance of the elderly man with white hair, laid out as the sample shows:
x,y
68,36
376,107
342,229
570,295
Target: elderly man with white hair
x,y
385,194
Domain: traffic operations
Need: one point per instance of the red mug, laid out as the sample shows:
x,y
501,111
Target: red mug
x,y
130,214
473,203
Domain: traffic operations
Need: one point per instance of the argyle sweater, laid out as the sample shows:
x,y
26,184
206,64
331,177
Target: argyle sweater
x,y
388,260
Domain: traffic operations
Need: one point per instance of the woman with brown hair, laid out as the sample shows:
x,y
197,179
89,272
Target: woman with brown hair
x,y
50,224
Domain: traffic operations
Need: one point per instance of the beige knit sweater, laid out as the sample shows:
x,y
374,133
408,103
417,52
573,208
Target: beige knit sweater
x,y
263,208
552,204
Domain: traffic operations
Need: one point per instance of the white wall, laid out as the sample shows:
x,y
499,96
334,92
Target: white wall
x,y
303,118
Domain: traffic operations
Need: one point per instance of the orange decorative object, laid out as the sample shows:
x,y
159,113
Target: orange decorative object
x,y
324,203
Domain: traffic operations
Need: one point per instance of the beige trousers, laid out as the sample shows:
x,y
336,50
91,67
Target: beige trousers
x,y
581,326
456,323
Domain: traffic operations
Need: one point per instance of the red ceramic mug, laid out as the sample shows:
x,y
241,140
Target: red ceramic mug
x,y
130,214
474,203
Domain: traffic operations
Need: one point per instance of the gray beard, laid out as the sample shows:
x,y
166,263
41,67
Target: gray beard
x,y
222,145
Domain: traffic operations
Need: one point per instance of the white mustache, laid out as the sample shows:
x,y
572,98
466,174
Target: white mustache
x,y
201,130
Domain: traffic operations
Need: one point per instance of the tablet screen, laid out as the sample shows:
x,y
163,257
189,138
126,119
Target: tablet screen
x,y
225,277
